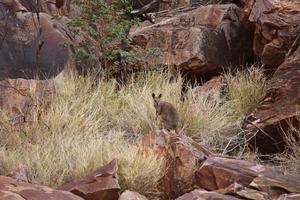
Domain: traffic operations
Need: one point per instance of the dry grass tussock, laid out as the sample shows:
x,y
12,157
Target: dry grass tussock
x,y
59,159
88,124
290,160
216,118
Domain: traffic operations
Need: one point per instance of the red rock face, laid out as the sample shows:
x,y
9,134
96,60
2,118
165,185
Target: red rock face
x,y
10,189
32,50
280,103
244,179
276,27
220,176
201,41
27,50
181,155
219,173
15,5
101,184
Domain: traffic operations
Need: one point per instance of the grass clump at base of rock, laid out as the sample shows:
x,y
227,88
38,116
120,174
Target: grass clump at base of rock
x,y
290,159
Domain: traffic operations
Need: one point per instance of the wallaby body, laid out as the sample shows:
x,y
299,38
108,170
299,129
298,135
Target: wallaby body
x,y
168,114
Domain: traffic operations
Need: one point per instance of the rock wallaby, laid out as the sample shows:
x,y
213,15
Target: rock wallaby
x,y
168,115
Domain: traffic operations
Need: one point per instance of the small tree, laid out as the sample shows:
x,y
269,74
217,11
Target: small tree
x,y
109,25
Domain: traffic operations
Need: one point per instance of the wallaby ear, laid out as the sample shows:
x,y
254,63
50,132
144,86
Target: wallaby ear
x,y
159,96
153,95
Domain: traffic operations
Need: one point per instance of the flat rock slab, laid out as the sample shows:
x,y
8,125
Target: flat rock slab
x,y
10,189
219,174
101,184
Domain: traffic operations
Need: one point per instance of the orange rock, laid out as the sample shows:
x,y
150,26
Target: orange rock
x,y
181,156
220,174
276,27
38,49
101,184
15,5
10,189
200,41
24,53
244,192
280,104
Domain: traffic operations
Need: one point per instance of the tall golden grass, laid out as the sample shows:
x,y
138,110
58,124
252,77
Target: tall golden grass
x,y
88,124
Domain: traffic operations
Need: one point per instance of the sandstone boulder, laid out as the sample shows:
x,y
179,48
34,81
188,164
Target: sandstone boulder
x,y
101,184
129,195
200,42
10,189
190,166
245,179
276,27
31,48
244,192
181,155
269,123
19,96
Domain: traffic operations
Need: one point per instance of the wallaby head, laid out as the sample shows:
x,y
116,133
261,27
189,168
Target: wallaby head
x,y
156,100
